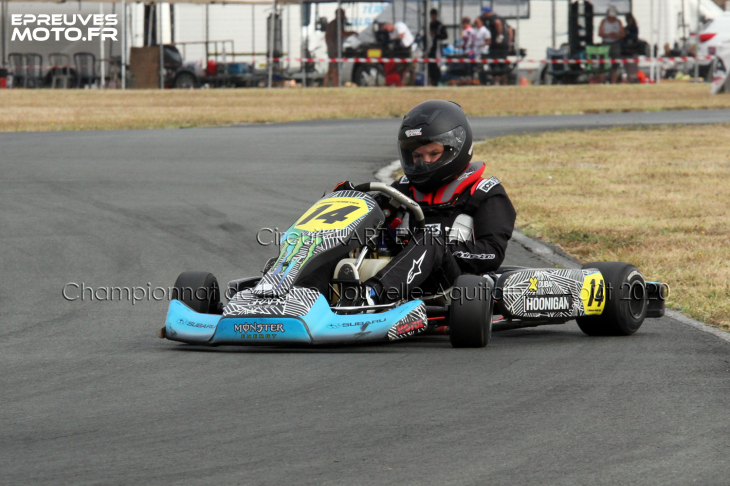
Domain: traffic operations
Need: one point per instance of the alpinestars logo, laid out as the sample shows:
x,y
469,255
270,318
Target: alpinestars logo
x,y
416,268
414,132
474,256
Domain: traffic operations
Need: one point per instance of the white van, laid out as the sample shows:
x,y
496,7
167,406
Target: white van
x,y
714,34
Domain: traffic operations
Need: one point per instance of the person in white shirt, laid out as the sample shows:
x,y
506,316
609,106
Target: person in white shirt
x,y
482,40
400,32
612,32
403,33
482,37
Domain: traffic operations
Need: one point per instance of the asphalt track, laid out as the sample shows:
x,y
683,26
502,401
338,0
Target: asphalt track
x,y
88,394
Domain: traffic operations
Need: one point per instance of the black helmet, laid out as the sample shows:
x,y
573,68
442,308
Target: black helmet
x,y
434,121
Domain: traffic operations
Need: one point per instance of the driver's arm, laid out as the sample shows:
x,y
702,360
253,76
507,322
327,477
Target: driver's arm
x,y
494,221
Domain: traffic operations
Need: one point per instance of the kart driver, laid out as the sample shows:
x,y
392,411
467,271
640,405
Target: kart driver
x,y
435,145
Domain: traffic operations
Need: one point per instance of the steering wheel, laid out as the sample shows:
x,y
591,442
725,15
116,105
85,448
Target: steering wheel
x,y
409,204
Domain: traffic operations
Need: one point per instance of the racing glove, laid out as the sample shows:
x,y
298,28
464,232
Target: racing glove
x,y
344,186
500,39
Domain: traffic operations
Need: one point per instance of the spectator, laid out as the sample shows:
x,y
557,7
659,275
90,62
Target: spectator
x,y
400,33
467,37
499,46
437,32
630,42
631,46
332,78
482,39
612,32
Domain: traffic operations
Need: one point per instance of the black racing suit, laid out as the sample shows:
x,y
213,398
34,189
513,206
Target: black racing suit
x,y
428,262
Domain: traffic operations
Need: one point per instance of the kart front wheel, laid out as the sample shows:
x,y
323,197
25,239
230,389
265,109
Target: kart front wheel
x,y
470,312
626,301
199,291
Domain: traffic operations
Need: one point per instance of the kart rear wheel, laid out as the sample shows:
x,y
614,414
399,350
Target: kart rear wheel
x,y
626,301
470,312
199,291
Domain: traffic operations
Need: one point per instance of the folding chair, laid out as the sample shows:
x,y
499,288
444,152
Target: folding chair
x,y
34,69
85,63
557,72
594,53
60,69
16,67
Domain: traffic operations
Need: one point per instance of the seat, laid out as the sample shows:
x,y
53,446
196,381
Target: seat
x,y
33,70
85,64
16,67
595,53
369,267
60,70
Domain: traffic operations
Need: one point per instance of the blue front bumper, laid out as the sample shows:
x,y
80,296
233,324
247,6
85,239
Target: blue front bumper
x,y
319,326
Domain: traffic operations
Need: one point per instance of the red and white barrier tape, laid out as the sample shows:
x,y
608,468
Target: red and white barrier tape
x,y
455,60
511,60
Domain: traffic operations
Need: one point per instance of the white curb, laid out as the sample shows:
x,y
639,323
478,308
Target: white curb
x,y
385,175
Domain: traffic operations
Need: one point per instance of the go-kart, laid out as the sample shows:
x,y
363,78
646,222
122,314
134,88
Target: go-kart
x,y
605,298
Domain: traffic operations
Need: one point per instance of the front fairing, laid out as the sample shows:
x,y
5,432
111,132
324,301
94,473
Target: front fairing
x,y
329,230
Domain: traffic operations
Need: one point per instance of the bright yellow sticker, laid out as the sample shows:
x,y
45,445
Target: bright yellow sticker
x,y
332,214
593,294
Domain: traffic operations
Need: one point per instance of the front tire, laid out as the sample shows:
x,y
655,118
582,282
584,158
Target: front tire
x,y
470,312
626,301
199,291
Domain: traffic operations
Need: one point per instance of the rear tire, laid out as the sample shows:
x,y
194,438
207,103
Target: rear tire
x,y
470,312
199,291
626,301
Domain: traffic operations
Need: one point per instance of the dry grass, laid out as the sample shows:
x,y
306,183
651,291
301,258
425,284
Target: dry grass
x,y
655,197
41,110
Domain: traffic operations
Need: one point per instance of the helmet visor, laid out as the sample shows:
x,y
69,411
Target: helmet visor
x,y
427,155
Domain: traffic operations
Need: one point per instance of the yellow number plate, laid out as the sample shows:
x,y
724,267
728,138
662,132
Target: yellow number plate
x,y
593,294
375,52
332,214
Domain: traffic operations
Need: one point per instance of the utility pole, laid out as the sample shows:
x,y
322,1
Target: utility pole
x,y
101,51
427,31
339,42
3,14
555,42
272,39
124,44
159,41
697,43
652,41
